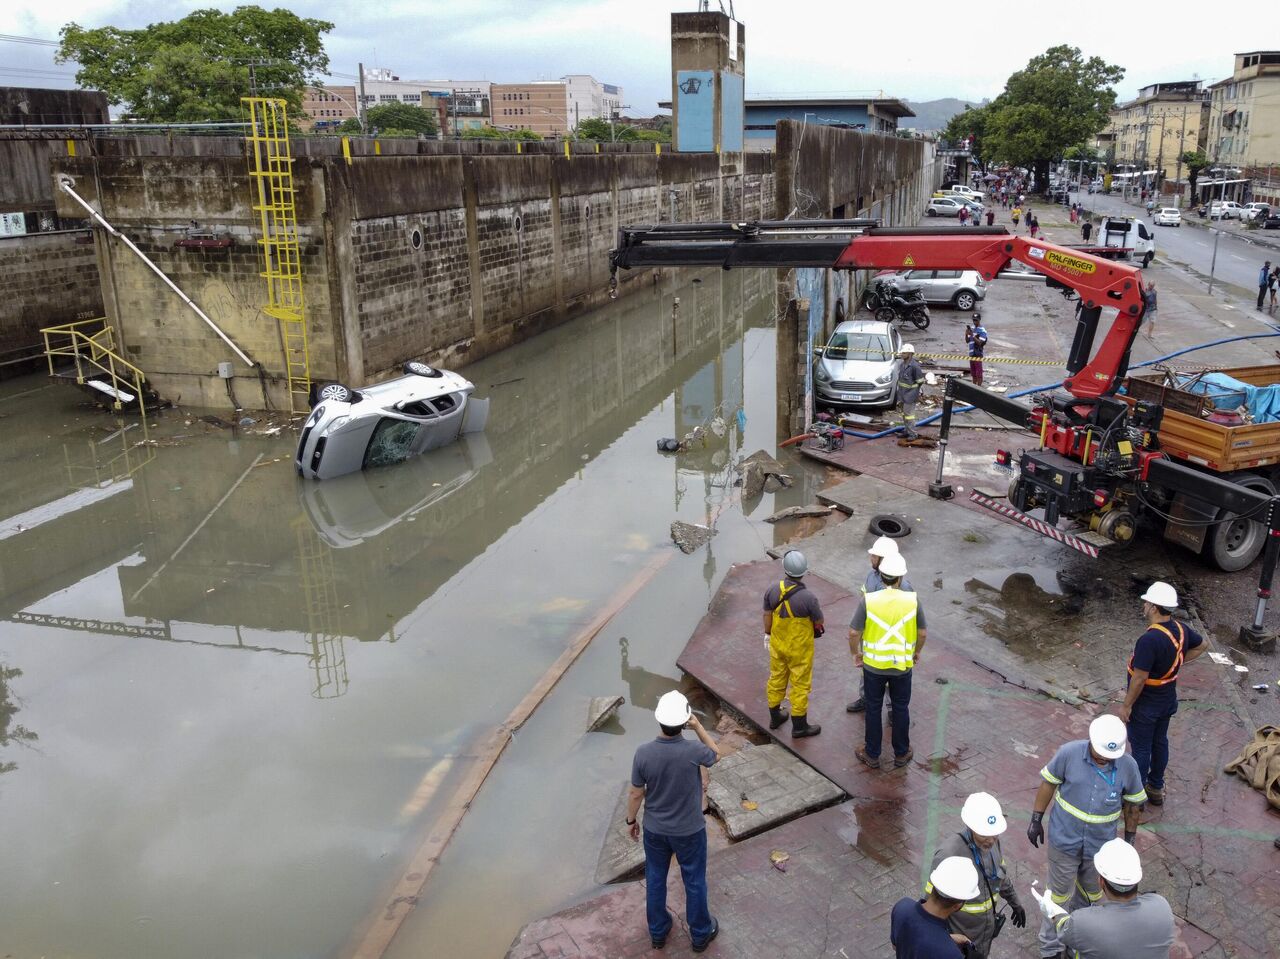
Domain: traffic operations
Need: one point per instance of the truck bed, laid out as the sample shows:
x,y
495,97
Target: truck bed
x,y
1187,435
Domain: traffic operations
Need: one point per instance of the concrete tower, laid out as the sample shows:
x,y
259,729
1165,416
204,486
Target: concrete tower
x,y
708,71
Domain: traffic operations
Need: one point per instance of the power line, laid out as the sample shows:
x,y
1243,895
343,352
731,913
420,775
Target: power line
x,y
36,41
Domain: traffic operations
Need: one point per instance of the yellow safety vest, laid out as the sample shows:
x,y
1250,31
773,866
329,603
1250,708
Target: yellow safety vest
x,y
790,631
889,639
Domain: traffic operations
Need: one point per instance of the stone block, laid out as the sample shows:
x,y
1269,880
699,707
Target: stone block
x,y
620,858
778,784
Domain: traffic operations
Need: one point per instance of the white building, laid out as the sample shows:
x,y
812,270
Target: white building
x,y
589,98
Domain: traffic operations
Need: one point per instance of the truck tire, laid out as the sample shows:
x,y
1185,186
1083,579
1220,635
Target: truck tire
x,y
1234,542
1146,260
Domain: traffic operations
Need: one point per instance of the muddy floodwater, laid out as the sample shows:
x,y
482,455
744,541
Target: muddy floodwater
x,y
232,700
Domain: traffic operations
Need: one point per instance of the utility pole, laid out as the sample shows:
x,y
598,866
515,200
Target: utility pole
x,y
1213,263
360,100
1182,148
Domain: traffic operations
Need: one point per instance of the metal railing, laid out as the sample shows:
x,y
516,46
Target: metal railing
x,y
91,346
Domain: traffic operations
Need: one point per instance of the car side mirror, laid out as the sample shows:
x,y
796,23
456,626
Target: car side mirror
x,y
819,350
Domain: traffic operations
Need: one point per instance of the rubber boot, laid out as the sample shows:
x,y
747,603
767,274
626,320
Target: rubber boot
x,y
800,727
776,716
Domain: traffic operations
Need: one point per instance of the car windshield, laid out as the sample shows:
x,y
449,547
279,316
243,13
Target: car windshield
x,y
859,346
391,442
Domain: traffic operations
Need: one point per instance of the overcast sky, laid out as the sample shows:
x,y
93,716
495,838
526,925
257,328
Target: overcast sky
x,y
918,51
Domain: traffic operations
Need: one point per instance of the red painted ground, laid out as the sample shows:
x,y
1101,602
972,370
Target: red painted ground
x,y
1208,850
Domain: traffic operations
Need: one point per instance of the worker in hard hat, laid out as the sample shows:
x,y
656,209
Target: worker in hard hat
x,y
1093,783
1152,696
792,618
666,776
979,919
910,379
886,636
1125,924
918,928
882,547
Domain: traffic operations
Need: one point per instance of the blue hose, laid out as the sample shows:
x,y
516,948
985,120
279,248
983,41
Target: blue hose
x,y
1275,331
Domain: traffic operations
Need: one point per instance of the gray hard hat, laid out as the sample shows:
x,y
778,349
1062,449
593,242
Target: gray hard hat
x,y
794,563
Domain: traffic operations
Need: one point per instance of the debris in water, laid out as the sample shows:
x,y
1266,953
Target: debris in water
x,y
247,421
601,709
689,536
795,512
757,470
669,444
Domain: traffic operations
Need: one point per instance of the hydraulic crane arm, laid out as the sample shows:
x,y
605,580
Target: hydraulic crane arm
x,y
861,244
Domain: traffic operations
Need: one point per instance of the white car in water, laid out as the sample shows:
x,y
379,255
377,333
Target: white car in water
x,y
388,422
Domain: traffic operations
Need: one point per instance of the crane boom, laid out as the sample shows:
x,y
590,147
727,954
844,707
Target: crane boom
x,y
863,244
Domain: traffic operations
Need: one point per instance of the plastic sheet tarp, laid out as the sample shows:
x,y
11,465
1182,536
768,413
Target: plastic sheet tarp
x,y
1227,393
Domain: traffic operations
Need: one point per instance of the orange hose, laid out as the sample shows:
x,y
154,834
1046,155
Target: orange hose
x,y
795,439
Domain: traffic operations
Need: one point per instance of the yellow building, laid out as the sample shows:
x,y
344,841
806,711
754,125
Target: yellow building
x,y
1150,132
1244,123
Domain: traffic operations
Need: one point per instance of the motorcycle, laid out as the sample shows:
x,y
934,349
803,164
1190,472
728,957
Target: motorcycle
x,y
901,305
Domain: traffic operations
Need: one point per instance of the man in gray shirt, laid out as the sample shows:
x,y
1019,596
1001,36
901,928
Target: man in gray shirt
x,y
667,777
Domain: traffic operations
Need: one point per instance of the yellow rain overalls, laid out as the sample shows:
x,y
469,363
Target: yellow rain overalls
x,y
790,654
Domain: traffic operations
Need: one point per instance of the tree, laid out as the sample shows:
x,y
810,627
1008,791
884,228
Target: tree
x,y
198,68
495,133
404,118
1194,161
972,123
593,128
350,127
1057,100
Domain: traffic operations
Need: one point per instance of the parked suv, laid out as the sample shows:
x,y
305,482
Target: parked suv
x,y
859,365
962,289
945,206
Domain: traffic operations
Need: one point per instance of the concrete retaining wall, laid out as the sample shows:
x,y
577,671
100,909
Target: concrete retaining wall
x,y
45,279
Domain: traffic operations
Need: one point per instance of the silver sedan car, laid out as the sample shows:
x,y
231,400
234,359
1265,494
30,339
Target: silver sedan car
x,y
859,365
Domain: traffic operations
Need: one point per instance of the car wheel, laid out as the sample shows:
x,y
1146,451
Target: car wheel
x,y
965,300
335,392
1146,260
414,368
931,212
885,314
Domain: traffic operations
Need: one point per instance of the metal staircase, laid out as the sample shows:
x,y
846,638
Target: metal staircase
x,y
271,172
90,345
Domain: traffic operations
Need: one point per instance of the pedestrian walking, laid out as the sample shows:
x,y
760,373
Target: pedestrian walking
x,y
1016,214
667,777
886,636
1034,225
1093,784
991,219
882,547
910,379
1073,213
975,335
792,619
1086,229
980,921
1272,284
1125,924
918,928
1149,313
964,215
1152,697
1264,280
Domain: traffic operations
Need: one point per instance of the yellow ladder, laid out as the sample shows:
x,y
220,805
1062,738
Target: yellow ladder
x,y
271,171
320,594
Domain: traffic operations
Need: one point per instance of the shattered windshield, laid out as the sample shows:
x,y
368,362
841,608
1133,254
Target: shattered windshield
x,y
859,346
391,442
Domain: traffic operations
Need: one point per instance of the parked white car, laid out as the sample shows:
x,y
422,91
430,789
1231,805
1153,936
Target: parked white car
x,y
388,422
1255,211
945,206
965,192
1167,216
1225,210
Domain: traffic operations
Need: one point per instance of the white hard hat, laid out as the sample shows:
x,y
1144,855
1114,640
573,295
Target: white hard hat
x,y
956,878
1108,736
883,547
893,565
673,709
1161,594
907,348
981,813
1118,863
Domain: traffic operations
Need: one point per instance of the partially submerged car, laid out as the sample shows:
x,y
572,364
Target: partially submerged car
x,y
859,365
388,422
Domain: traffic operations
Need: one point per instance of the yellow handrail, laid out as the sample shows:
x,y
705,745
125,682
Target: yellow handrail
x,y
96,350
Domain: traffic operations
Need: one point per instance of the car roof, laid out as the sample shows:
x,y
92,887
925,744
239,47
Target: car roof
x,y
862,326
413,387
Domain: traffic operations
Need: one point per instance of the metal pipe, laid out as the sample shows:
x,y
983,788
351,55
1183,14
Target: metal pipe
x,y
121,126
66,184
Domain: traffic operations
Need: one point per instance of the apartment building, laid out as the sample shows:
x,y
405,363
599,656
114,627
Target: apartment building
x,y
327,107
1154,129
542,106
589,98
1244,113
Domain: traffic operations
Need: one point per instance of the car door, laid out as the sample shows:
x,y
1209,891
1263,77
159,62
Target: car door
x,y
920,278
945,285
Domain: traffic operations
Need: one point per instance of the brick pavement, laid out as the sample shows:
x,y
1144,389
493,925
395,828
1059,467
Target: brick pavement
x,y
1208,850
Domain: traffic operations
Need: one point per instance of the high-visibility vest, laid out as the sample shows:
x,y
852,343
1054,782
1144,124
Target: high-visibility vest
x,y
889,639
1179,647
790,629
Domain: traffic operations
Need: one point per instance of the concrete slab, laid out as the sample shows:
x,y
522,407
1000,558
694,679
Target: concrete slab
x,y
600,709
620,858
759,787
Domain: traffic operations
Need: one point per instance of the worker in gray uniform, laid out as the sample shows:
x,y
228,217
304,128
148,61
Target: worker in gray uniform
x,y
1124,923
910,379
882,547
981,918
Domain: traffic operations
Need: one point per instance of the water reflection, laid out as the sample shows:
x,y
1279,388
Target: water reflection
x,y
10,732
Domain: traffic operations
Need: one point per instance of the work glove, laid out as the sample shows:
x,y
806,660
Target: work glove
x,y
1018,916
1050,909
1035,831
766,644
819,630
